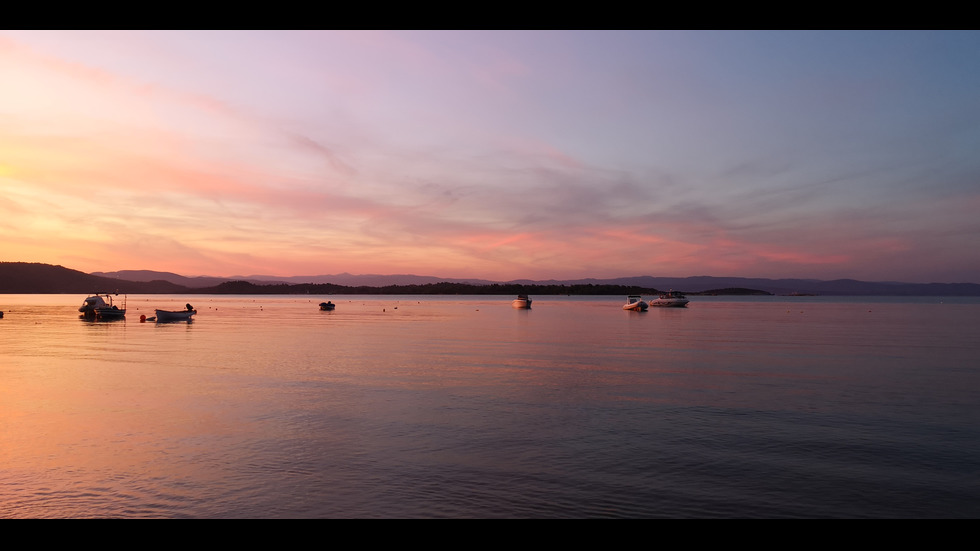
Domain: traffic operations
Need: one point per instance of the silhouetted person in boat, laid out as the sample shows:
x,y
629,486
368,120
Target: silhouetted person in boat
x,y
189,307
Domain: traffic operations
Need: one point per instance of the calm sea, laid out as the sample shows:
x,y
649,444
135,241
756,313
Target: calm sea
x,y
463,407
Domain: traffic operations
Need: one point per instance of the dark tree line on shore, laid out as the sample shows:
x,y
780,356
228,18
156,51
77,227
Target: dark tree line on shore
x,y
446,288
442,288
36,278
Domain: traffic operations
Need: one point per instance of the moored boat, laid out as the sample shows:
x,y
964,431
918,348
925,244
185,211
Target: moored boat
x,y
176,315
670,299
635,303
522,301
327,305
90,304
100,306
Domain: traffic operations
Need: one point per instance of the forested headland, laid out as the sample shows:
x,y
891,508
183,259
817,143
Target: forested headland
x,y
35,278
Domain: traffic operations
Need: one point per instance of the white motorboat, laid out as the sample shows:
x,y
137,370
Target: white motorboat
x,y
670,299
327,305
635,303
176,315
522,301
100,306
90,304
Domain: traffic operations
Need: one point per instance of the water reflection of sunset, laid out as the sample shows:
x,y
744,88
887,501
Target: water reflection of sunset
x,y
457,406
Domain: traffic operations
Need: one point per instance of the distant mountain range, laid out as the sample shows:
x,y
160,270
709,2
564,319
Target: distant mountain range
x,y
698,284
22,277
348,280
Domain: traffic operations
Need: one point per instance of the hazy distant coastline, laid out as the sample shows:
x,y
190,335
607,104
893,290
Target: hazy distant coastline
x,y
30,278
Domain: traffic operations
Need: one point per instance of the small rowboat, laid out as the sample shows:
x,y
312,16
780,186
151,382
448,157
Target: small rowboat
x,y
176,315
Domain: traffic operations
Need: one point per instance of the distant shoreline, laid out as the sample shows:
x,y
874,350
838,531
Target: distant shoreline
x,y
38,278
246,288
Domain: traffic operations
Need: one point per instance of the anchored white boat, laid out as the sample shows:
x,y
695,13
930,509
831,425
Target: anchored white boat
x,y
100,306
176,315
670,299
91,303
522,301
635,303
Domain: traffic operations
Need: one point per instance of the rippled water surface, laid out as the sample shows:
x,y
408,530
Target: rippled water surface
x,y
459,407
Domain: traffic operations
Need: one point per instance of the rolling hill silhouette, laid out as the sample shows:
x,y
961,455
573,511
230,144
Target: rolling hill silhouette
x,y
24,277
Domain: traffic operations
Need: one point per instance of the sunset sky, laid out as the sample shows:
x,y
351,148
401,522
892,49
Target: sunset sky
x,y
492,154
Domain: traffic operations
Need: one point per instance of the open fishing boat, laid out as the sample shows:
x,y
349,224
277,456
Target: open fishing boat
x,y
176,315
327,305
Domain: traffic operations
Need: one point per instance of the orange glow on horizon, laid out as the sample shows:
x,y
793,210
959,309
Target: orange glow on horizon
x,y
461,155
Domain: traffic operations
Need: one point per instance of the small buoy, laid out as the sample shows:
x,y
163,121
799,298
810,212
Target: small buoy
x,y
143,319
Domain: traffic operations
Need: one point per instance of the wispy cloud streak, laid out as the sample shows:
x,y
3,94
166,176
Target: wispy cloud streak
x,y
495,155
